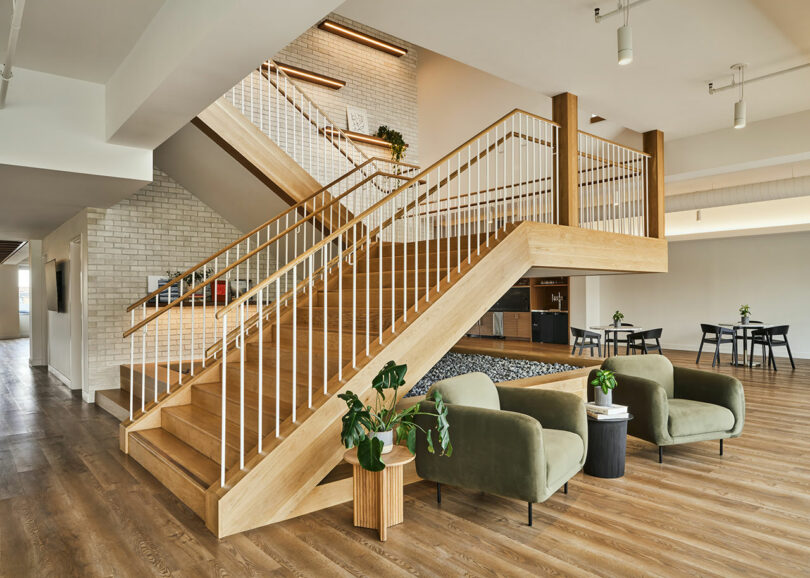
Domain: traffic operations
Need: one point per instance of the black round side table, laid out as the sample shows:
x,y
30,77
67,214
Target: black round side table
x,y
607,443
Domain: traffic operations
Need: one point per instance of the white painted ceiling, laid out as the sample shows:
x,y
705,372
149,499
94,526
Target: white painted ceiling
x,y
553,46
83,39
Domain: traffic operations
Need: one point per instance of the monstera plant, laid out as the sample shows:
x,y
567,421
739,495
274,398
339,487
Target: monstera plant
x,y
367,426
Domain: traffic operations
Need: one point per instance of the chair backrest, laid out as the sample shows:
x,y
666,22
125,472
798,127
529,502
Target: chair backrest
x,y
778,330
655,367
709,328
577,332
471,389
652,333
626,324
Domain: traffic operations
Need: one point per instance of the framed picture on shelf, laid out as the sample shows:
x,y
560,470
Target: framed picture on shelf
x,y
356,120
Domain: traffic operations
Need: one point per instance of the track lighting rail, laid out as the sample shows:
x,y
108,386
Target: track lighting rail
x,y
734,84
598,16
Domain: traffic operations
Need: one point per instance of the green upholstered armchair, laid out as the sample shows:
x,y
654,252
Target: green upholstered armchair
x,y
676,405
514,442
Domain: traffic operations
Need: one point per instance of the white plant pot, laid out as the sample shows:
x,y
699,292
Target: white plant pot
x,y
387,438
601,398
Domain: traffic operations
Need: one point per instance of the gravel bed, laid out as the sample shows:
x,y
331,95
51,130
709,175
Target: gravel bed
x,y
497,368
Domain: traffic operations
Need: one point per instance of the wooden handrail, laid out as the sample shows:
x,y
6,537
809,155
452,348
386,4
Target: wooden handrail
x,y
614,143
294,208
158,312
358,218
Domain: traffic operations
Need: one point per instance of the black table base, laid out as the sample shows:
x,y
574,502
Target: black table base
x,y
607,444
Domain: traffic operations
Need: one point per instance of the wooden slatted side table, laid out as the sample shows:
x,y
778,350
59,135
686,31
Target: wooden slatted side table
x,y
378,501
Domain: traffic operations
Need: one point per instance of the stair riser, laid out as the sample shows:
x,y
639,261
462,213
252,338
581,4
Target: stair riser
x,y
213,404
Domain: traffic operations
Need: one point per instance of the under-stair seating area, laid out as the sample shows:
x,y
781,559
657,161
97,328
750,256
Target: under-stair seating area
x,y
232,393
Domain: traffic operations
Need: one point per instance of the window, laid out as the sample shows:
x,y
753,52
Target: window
x,y
24,282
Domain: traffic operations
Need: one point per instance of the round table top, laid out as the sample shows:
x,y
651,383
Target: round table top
x,y
611,419
628,328
399,456
749,325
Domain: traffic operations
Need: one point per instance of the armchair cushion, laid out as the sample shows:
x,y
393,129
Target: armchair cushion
x,y
653,367
715,388
565,454
689,418
471,390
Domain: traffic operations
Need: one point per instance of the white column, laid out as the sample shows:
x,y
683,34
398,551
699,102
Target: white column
x,y
39,309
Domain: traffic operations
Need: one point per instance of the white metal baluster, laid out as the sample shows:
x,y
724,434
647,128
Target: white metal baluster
x,y
155,379
495,186
252,96
260,311
404,200
368,283
512,170
180,347
132,362
311,297
438,227
469,204
205,315
193,284
392,226
325,317
486,228
427,238
417,245
340,306
458,210
143,359
286,122
261,101
478,196
556,201
380,276
448,231
278,113
294,340
224,399
278,355
242,386
354,298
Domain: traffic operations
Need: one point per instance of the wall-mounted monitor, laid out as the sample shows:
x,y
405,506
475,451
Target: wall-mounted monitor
x,y
56,285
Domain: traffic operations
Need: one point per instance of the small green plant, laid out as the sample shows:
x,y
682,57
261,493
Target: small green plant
x,y
396,141
361,422
618,316
192,279
604,380
745,311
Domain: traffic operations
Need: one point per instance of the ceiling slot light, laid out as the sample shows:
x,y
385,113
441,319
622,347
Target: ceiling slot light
x,y
347,32
739,106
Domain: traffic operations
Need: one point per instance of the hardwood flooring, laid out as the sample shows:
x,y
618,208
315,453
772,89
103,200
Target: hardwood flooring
x,y
71,504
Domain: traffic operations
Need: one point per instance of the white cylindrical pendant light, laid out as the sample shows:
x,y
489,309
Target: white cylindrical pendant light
x,y
739,114
624,36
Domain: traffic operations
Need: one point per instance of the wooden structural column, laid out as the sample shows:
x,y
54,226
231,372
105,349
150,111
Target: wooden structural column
x,y
564,111
654,146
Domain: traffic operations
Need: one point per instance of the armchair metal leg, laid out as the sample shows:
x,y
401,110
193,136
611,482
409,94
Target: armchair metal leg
x,y
530,513
660,454
438,493
721,447
565,488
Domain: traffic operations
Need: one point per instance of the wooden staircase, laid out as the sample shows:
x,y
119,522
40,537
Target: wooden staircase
x,y
337,311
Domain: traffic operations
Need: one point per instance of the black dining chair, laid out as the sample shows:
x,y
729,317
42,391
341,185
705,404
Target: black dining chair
x,y
717,335
769,337
641,341
586,340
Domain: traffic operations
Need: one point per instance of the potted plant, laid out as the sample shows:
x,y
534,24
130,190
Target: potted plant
x,y
745,314
617,318
396,141
604,384
372,429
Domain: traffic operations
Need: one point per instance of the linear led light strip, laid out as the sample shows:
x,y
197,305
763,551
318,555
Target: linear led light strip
x,y
309,76
340,30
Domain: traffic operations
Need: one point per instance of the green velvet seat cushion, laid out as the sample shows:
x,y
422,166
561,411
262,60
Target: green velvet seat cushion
x,y
472,390
564,452
653,367
687,418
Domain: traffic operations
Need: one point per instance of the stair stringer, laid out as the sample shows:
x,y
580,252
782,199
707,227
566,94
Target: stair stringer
x,y
291,468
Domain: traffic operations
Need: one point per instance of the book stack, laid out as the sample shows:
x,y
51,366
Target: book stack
x,y
606,411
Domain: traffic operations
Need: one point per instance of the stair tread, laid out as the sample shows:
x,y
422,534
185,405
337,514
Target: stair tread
x,y
210,423
202,470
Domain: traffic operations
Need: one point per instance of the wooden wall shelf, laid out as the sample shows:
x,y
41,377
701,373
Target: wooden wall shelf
x,y
363,138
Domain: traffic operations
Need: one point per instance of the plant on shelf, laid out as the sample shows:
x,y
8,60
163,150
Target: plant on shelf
x,y
192,279
745,314
604,384
394,138
617,318
371,429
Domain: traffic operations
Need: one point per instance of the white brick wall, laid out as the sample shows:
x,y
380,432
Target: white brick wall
x,y
161,227
382,84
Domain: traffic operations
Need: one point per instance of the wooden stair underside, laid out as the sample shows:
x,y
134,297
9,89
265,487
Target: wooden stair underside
x,y
283,481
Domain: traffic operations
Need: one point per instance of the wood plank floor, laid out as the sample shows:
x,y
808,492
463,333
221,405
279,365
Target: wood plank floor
x,y
71,504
